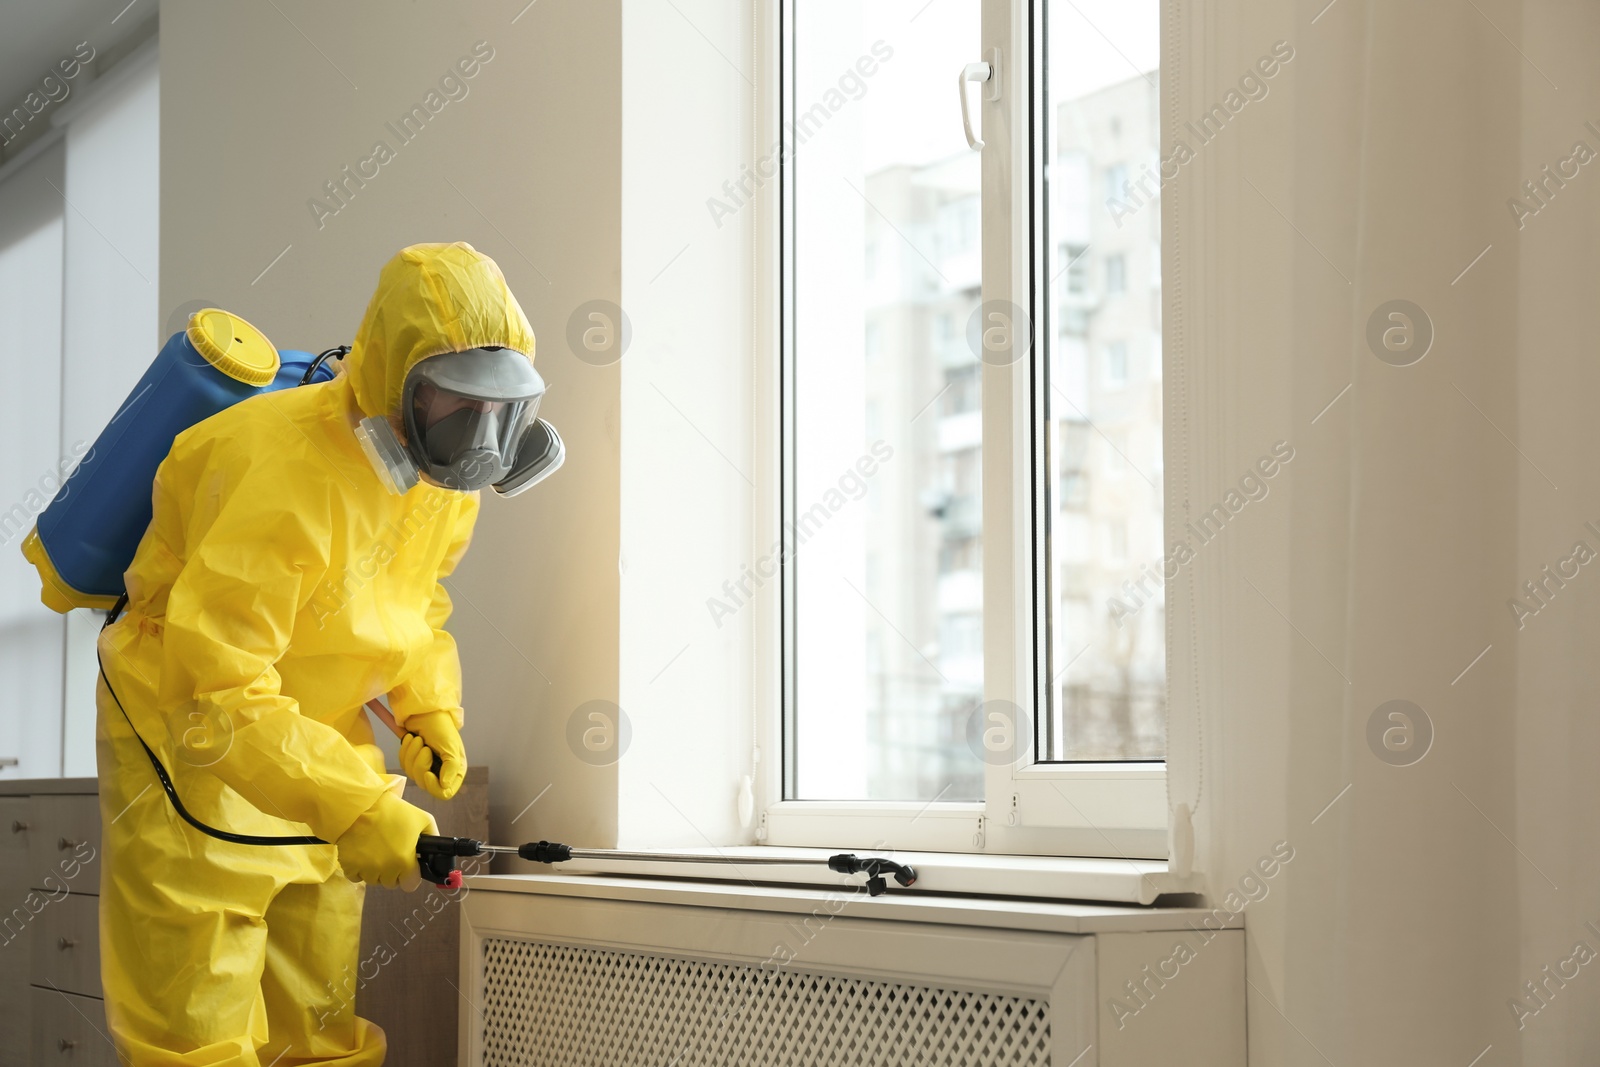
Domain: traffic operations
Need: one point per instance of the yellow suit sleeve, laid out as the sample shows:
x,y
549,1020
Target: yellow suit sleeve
x,y
436,683
255,555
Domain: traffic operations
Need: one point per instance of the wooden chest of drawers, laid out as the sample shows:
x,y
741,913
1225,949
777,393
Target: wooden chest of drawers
x,y
51,1008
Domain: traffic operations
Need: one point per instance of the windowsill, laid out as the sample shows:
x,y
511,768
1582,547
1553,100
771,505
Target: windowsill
x,y
901,905
1044,878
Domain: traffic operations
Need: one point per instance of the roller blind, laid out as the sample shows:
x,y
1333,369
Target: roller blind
x,y
31,636
110,329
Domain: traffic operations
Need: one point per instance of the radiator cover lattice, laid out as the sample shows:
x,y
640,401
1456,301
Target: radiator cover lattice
x,y
547,1004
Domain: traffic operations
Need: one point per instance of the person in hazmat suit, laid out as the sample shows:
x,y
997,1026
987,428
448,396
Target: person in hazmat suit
x,y
282,583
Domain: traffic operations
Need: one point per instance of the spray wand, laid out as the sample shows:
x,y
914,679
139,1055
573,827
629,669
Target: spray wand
x,y
437,855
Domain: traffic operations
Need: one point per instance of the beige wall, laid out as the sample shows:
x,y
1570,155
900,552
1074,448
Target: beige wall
x,y
259,109
1418,904
529,168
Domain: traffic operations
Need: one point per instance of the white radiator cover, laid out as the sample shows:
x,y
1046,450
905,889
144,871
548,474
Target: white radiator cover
x,y
572,972
563,1004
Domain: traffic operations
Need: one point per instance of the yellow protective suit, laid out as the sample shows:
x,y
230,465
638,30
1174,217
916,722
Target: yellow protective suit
x,y
278,587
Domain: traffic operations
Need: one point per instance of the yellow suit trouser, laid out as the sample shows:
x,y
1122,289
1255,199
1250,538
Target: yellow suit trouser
x,y
216,953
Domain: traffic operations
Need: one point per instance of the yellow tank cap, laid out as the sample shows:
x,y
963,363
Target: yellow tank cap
x,y
233,346
54,592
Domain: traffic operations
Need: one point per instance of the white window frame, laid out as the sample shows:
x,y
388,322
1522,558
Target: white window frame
x,y
1081,809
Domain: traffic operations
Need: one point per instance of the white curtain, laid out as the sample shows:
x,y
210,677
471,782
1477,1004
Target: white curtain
x,y
1382,167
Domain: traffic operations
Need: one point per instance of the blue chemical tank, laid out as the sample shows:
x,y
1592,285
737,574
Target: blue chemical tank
x,y
86,538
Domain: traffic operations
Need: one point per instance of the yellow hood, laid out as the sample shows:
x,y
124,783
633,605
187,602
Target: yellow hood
x,y
431,299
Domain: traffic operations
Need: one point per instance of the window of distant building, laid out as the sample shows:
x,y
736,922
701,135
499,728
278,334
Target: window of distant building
x,y
1116,179
1116,275
1115,373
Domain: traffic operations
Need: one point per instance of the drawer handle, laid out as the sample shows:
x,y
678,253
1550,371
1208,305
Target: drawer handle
x,y
66,1045
18,826
65,845
66,943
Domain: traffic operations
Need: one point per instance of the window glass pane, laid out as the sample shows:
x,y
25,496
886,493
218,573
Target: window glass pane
x,y
1107,645
884,508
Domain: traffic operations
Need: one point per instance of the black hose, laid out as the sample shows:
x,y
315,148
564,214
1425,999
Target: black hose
x,y
166,780
340,352
161,771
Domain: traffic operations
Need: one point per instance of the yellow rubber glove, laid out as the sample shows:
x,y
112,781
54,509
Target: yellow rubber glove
x,y
380,848
430,734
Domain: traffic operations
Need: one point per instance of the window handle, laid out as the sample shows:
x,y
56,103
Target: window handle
x,y
989,73
972,72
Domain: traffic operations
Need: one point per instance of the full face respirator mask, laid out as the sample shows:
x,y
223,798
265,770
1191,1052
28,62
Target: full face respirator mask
x,y
471,422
